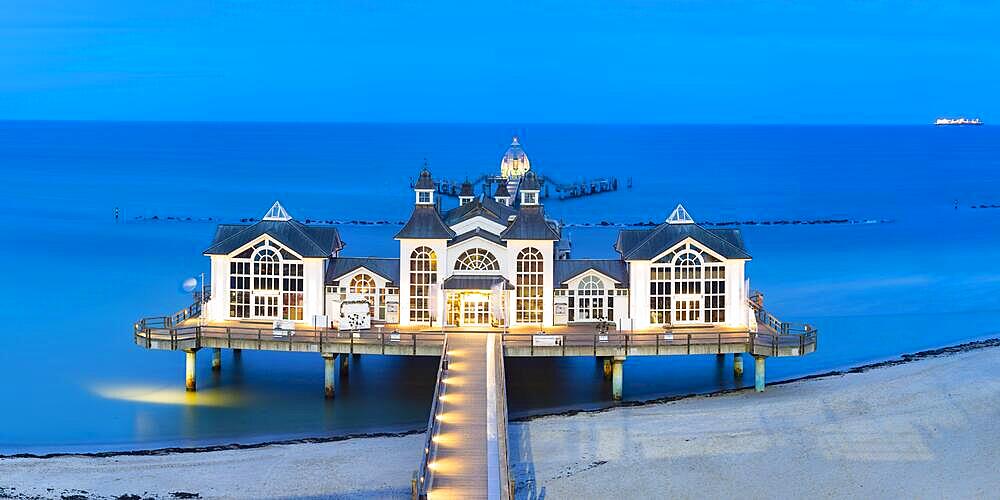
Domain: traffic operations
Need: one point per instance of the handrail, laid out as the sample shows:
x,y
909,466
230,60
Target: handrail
x,y
422,480
506,483
161,329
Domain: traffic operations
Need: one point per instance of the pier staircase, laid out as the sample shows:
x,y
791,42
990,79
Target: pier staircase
x,y
465,452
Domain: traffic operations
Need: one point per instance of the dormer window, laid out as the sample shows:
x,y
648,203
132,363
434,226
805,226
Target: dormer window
x,y
463,200
424,197
529,198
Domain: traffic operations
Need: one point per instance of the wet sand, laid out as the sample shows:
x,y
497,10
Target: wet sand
x,y
921,426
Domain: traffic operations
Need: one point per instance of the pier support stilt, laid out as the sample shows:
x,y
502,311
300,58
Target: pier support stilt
x,y
738,364
189,369
720,358
237,353
758,373
343,364
355,356
328,364
616,378
216,359
607,368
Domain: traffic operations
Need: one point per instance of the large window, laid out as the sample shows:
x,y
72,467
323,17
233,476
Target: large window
x,y
476,259
423,273
239,289
265,282
715,294
292,286
530,286
687,286
659,295
364,285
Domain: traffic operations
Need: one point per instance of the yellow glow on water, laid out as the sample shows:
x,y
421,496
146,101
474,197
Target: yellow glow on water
x,y
168,395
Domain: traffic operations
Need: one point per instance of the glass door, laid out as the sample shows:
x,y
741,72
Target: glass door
x,y
265,306
687,309
475,310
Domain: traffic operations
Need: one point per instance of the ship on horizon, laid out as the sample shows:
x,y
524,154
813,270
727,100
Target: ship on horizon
x,y
958,121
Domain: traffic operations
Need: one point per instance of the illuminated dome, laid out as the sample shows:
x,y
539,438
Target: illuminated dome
x,y
515,162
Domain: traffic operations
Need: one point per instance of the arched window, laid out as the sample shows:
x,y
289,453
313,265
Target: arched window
x,y
266,269
687,287
423,273
530,286
476,259
364,285
590,299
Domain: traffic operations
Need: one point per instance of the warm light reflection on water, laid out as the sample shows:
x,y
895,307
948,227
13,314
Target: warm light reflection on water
x,y
214,397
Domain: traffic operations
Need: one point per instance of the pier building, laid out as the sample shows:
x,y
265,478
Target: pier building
x,y
490,277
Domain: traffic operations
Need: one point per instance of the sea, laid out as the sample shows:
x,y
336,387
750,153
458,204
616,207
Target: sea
x,y
103,222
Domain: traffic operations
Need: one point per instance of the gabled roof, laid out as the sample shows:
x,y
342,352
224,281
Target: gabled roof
x,y
425,223
565,270
479,207
477,232
645,244
307,241
530,224
384,267
501,190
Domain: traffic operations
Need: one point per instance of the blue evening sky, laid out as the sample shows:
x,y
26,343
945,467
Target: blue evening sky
x,y
681,61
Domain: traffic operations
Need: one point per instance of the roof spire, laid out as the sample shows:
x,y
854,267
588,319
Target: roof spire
x,y
277,212
680,215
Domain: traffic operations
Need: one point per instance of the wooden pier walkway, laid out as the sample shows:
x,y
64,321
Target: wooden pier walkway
x,y
466,451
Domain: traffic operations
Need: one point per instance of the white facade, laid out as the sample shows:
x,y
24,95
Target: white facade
x,y
482,264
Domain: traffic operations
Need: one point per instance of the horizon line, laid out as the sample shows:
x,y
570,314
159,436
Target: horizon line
x,y
473,123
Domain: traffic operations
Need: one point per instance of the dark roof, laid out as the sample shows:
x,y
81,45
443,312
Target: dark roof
x,y
485,207
501,190
565,270
465,282
502,210
530,224
645,244
731,235
307,241
482,233
384,267
529,182
466,189
426,223
424,181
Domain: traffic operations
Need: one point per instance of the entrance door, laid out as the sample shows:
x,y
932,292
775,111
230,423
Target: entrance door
x,y
687,309
475,309
265,306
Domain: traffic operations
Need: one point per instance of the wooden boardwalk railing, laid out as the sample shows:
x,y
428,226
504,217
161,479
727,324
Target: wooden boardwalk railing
x,y
422,478
156,333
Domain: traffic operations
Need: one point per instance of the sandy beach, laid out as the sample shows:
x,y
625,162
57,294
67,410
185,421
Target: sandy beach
x,y
923,428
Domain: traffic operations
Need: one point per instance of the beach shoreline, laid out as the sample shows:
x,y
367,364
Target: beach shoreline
x,y
546,458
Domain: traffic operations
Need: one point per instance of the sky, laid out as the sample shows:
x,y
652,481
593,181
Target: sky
x,y
586,61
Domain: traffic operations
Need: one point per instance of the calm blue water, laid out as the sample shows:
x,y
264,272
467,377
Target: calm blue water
x,y
72,379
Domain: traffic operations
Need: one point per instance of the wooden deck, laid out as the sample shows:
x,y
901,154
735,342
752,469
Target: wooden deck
x,y
459,466
466,445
